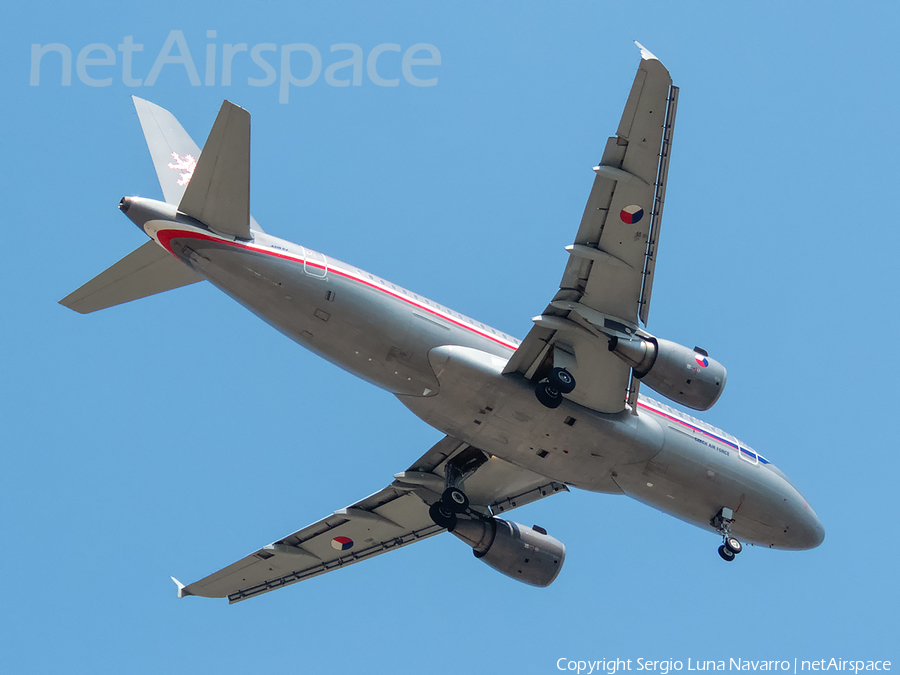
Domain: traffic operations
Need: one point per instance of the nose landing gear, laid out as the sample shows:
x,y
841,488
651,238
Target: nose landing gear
x,y
726,552
731,546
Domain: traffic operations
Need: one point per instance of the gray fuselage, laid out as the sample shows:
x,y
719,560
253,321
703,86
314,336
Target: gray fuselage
x,y
447,369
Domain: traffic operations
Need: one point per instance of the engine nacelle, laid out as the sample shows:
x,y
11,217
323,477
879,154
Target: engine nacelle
x,y
686,376
517,551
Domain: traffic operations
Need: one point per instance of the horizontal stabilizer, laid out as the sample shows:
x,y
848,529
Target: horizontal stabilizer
x,y
146,271
173,151
218,193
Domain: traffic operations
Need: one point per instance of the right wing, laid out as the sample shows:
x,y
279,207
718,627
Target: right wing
x,y
387,520
605,288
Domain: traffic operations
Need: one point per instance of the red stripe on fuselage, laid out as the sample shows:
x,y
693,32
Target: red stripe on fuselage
x,y
166,236
687,424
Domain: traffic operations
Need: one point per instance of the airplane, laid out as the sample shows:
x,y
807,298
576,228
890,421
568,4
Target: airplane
x,y
522,420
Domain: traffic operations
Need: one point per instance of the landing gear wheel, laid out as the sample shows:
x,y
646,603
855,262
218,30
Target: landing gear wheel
x,y
455,500
561,380
726,553
548,395
442,515
733,545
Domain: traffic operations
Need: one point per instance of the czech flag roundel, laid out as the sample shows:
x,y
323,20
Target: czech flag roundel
x,y
342,543
702,361
631,214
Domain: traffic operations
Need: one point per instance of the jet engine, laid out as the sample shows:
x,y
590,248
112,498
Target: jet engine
x,y
521,553
686,376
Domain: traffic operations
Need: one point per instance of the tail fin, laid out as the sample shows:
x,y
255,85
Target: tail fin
x,y
218,192
173,151
213,187
146,271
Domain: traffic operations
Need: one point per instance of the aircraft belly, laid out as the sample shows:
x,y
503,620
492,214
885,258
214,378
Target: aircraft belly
x,y
500,415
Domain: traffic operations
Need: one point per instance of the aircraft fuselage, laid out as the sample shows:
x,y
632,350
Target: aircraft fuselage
x,y
447,369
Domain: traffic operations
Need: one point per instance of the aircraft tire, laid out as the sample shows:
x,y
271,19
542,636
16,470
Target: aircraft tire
x,y
726,553
561,380
455,499
548,395
733,545
442,515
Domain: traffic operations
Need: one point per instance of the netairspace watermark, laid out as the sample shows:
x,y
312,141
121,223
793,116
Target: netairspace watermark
x,y
300,64
666,666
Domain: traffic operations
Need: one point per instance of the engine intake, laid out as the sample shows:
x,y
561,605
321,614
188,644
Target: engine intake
x,y
519,552
686,376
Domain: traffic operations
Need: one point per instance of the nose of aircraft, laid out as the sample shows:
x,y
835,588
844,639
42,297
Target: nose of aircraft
x,y
810,531
800,526
802,529
819,533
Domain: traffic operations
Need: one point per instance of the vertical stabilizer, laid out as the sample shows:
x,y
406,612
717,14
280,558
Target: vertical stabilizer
x,y
218,193
173,151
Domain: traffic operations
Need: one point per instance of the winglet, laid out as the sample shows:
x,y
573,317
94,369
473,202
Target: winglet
x,y
645,53
181,592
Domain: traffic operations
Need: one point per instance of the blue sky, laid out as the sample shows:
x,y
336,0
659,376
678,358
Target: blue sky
x,y
174,435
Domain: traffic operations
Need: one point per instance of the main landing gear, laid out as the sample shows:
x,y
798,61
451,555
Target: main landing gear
x,y
731,546
444,512
549,392
443,516
452,502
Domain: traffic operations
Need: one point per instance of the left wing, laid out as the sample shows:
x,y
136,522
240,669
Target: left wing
x,y
387,520
606,286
